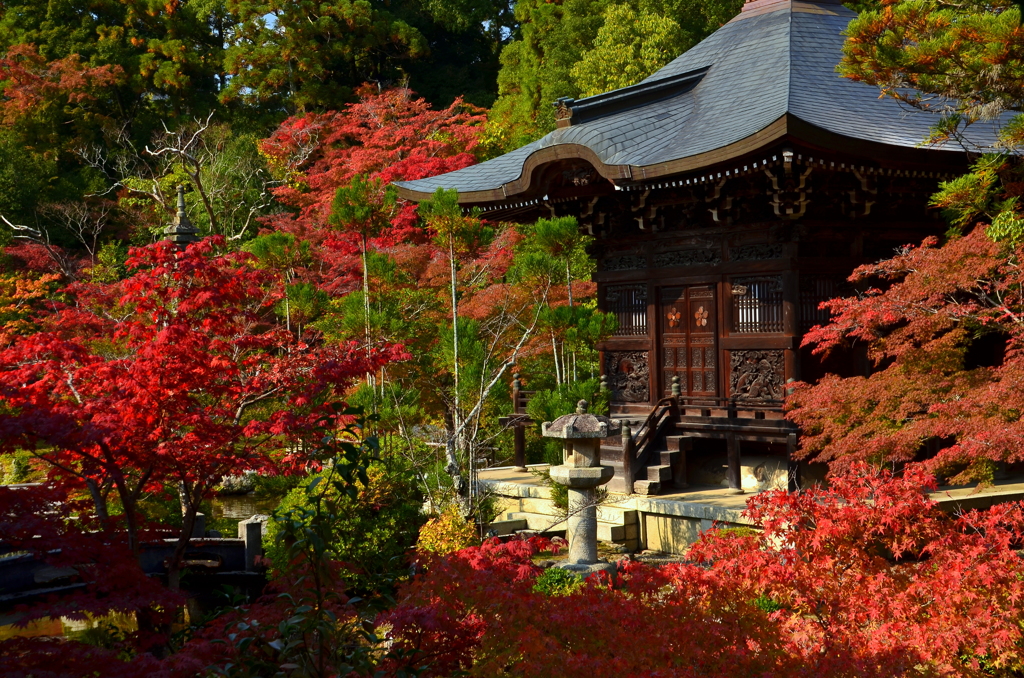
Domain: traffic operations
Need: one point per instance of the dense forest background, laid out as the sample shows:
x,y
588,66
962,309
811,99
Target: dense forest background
x,y
98,93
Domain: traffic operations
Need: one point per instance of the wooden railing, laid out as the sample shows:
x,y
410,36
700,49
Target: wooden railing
x,y
519,397
732,408
637,449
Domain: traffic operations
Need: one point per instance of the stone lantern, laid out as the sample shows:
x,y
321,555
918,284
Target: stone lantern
x,y
582,473
181,231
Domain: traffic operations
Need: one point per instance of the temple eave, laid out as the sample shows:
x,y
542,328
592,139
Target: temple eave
x,y
517,194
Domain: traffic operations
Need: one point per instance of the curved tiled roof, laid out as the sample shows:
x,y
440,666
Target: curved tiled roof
x,y
768,72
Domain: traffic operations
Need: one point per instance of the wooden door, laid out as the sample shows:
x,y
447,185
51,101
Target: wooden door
x,y
689,339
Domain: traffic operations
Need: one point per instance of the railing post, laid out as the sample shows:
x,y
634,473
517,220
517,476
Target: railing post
x,y
516,388
627,457
733,475
676,392
519,447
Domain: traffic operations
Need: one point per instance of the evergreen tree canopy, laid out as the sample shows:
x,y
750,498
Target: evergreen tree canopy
x,y
581,47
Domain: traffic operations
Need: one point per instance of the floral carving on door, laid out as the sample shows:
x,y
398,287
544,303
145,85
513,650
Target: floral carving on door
x,y
689,340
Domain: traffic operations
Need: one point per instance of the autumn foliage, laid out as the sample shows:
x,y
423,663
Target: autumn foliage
x,y
943,330
178,374
386,136
867,578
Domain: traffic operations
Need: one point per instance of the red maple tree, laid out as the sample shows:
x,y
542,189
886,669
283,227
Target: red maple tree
x,y
172,378
33,85
944,331
387,136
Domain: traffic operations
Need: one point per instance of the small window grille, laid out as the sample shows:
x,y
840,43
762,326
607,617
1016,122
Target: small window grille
x,y
813,291
757,305
629,304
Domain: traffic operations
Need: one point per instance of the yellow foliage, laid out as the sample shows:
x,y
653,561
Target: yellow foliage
x,y
447,533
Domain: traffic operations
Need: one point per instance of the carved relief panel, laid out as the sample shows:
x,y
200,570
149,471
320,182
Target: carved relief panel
x,y
757,375
628,376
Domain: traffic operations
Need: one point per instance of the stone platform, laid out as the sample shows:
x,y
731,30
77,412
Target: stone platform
x,y
667,522
671,522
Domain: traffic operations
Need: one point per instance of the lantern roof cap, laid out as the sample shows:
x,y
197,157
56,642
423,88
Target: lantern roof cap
x,y
581,424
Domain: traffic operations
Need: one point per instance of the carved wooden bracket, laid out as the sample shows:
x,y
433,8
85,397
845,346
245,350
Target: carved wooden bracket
x,y
861,199
789,193
722,207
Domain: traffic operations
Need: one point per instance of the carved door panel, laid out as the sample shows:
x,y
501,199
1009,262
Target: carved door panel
x,y
689,339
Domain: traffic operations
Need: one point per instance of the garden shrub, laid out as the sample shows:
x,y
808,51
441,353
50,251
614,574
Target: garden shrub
x,y
447,533
371,534
555,581
14,468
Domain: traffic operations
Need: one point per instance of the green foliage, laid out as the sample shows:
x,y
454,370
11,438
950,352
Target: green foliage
x,y
279,250
560,52
1007,226
735,532
27,178
629,47
110,632
14,468
988,193
462,233
369,524
967,53
303,303
363,206
555,581
274,485
766,604
559,492
170,53
553,249
305,54
110,262
973,195
549,404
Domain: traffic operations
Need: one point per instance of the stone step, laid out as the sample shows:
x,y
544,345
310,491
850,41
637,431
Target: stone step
x,y
535,505
617,484
669,457
659,473
538,522
619,515
501,528
606,513
646,487
606,531
617,534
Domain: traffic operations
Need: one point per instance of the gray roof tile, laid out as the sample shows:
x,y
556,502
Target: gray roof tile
x,y
760,67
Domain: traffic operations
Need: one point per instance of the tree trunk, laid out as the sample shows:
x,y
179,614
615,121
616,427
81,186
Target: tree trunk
x,y
455,439
189,508
98,500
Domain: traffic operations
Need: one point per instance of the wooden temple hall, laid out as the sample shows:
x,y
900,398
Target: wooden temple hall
x,y
729,193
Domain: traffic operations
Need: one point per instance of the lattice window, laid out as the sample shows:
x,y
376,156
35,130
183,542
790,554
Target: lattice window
x,y
757,304
629,304
815,289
